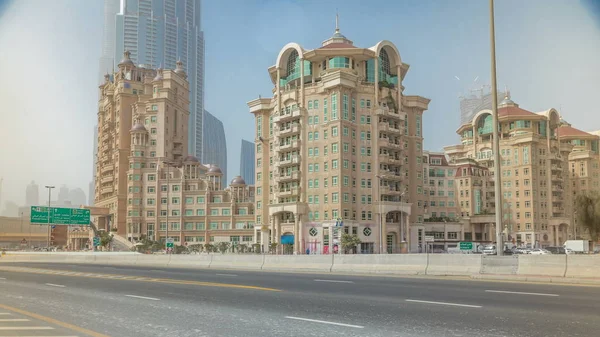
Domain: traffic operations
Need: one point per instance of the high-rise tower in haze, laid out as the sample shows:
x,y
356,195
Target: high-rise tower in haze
x,y
247,161
107,59
215,145
32,194
158,33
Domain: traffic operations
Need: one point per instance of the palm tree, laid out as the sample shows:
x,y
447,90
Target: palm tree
x,y
587,211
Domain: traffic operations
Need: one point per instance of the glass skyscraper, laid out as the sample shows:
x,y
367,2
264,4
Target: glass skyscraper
x,y
158,33
215,144
247,162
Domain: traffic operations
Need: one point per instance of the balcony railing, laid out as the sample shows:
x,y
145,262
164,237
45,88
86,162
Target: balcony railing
x,y
289,177
291,130
107,168
289,146
289,161
288,192
287,115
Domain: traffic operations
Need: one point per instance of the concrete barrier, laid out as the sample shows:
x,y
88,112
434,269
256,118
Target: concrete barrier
x,y
542,265
583,266
189,261
396,264
499,265
236,261
453,264
316,263
159,261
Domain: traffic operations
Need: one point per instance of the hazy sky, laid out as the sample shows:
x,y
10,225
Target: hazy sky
x,y
548,52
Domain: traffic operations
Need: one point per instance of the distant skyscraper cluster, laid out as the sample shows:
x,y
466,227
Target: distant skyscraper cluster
x,y
32,194
247,161
215,144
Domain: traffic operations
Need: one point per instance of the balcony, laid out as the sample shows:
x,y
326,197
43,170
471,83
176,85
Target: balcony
x,y
289,177
556,209
107,190
105,136
293,160
287,116
557,178
107,126
288,192
289,146
557,188
294,129
107,179
387,112
383,126
556,168
107,168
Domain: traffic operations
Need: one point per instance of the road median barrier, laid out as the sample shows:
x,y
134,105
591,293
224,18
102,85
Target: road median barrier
x,y
200,261
453,264
542,265
316,263
583,266
394,264
499,265
236,261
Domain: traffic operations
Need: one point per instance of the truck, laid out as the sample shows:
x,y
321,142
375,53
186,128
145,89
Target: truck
x,y
577,246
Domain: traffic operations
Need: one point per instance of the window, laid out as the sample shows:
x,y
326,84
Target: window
x,y
334,107
151,189
334,131
345,107
200,212
334,148
325,111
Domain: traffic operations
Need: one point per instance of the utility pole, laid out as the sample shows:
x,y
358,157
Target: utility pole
x,y
49,200
496,139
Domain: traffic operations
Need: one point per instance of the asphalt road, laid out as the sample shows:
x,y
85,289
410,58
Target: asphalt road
x,y
135,301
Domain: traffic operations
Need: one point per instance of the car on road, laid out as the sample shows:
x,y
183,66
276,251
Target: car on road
x,y
556,250
489,250
539,251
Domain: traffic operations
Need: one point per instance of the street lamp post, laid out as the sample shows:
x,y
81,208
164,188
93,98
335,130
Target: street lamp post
x,y
168,164
496,137
49,200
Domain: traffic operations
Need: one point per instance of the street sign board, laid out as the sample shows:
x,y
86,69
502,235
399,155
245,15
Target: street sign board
x,y
170,243
429,238
96,241
466,246
60,216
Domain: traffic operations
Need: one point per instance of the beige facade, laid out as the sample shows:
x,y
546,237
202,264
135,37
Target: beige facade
x,y
583,167
534,177
18,232
145,178
339,141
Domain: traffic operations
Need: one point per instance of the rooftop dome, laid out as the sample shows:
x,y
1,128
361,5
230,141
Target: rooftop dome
x,y
137,127
214,169
159,75
238,181
191,159
179,68
126,61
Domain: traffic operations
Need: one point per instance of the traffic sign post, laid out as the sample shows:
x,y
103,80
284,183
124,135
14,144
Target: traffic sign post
x,y
60,216
96,241
466,245
170,244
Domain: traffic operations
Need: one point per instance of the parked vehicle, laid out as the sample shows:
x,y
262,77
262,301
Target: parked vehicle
x,y
556,250
578,246
490,250
539,251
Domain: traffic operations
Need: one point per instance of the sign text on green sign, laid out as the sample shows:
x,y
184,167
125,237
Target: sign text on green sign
x,y
466,245
60,216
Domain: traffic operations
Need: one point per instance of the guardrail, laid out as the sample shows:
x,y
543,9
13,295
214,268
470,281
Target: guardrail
x,y
549,268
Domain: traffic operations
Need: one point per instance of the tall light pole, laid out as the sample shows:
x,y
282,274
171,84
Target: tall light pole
x,y
49,200
496,137
168,164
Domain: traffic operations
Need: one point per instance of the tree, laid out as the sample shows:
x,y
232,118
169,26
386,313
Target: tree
x,y
350,241
242,248
105,239
208,247
587,211
197,248
223,247
256,248
273,248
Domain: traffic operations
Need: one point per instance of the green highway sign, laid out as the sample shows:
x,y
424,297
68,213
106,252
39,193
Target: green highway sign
x,y
60,216
170,243
466,246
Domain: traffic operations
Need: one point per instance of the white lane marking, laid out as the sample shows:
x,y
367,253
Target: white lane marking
x,y
55,285
446,303
334,281
232,275
325,322
157,270
144,297
14,320
520,293
8,328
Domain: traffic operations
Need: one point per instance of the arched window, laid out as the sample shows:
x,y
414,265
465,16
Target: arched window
x,y
384,61
292,63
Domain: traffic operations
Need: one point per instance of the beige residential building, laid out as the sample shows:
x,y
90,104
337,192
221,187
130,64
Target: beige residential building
x,y
441,210
145,178
584,172
339,141
534,177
